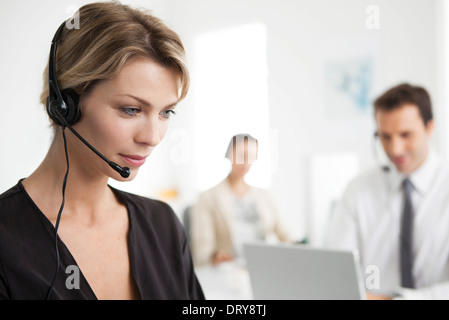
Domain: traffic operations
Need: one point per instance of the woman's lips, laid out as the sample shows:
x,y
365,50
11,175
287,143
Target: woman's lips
x,y
133,160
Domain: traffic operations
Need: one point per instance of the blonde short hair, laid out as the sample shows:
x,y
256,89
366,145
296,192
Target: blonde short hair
x,y
109,35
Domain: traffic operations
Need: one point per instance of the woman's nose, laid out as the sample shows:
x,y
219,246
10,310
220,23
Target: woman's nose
x,y
150,132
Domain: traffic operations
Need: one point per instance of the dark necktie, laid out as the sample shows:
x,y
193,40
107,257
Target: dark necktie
x,y
406,237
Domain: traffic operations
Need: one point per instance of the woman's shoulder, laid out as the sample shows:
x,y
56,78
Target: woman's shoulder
x,y
219,188
259,191
146,208
11,201
218,191
20,218
10,192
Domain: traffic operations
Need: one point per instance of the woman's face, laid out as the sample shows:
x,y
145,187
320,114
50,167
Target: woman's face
x,y
243,156
125,117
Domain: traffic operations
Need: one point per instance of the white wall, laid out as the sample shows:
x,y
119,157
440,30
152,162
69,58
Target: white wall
x,y
302,35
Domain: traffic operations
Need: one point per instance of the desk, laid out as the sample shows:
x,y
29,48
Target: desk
x,y
226,281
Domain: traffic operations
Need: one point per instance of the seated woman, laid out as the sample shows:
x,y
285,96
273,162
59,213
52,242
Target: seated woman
x,y
115,81
233,212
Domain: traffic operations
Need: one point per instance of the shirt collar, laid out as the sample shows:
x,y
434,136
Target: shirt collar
x,y
422,177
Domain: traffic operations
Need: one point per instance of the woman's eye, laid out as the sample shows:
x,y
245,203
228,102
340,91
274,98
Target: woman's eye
x,y
131,111
167,113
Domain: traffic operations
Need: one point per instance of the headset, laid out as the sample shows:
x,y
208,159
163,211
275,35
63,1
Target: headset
x,y
62,107
384,167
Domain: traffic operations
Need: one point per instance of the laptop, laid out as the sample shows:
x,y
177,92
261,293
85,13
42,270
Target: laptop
x,y
302,272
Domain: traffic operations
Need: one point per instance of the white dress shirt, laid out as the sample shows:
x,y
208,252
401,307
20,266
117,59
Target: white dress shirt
x,y
367,218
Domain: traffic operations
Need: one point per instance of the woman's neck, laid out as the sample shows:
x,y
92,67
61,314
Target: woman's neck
x,y
237,184
84,195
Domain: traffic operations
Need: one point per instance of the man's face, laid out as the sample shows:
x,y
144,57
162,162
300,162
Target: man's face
x,y
404,136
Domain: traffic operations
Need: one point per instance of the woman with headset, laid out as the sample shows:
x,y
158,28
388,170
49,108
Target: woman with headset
x,y
64,232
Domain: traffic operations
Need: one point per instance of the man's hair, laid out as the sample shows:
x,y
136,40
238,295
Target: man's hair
x,y
403,94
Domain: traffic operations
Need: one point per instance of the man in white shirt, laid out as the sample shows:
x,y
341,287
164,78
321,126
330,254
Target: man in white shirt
x,y
371,216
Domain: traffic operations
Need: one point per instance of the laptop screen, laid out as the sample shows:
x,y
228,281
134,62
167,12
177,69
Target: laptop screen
x,y
296,272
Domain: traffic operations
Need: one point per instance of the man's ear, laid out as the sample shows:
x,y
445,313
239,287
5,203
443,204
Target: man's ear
x,y
430,127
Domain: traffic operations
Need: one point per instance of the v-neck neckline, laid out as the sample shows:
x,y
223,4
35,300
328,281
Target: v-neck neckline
x,y
51,228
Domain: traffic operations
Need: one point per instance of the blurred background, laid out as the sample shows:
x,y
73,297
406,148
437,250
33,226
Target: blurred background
x,y
299,75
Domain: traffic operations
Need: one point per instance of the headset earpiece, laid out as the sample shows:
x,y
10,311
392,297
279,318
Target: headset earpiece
x,y
67,107
71,100
53,105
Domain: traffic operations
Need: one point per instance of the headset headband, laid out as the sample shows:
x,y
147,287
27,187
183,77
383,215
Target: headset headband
x,y
52,79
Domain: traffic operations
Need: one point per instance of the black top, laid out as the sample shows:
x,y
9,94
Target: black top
x,y
159,254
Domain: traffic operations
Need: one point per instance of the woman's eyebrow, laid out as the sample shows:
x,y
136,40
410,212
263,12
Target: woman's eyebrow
x,y
146,103
140,100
